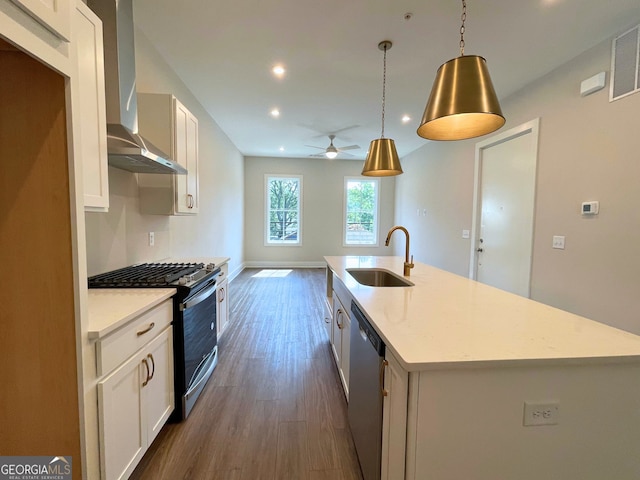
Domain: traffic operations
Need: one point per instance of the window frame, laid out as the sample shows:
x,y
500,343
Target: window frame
x,y
376,218
268,177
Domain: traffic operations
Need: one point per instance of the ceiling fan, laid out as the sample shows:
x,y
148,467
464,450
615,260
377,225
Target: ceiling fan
x,y
332,151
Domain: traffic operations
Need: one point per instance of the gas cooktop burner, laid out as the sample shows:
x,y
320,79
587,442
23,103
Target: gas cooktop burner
x,y
149,275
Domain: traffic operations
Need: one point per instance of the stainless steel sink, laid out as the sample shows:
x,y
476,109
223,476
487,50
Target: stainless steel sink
x,y
378,277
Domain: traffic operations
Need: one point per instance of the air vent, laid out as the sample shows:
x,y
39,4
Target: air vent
x,y
625,69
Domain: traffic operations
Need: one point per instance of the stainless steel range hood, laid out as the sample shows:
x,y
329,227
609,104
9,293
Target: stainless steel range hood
x,y
127,149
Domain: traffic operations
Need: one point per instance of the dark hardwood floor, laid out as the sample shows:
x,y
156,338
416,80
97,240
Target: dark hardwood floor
x,y
274,408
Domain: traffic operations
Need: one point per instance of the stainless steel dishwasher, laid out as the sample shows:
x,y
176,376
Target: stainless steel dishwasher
x,y
366,377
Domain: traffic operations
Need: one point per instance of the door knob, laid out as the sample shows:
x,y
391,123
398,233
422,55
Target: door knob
x,y
480,250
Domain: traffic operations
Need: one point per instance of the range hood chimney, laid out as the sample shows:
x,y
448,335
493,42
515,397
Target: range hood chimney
x,y
127,149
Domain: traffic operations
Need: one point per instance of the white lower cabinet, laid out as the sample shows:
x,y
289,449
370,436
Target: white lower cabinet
x,y
135,401
328,318
222,304
394,419
222,309
341,331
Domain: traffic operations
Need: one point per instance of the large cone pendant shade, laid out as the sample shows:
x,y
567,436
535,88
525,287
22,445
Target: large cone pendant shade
x,y
463,103
382,159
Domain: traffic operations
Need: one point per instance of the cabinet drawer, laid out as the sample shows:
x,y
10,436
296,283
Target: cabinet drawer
x,y
342,293
124,342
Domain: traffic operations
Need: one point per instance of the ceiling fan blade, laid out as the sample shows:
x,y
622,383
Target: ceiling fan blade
x,y
344,154
313,146
349,147
318,155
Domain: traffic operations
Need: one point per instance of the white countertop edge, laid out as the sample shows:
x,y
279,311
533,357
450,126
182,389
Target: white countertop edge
x,y
155,297
512,362
413,357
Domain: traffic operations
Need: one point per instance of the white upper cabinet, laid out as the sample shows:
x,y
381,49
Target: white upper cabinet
x,y
54,15
89,107
171,127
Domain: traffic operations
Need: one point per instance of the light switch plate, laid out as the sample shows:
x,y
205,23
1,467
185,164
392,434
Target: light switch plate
x,y
465,233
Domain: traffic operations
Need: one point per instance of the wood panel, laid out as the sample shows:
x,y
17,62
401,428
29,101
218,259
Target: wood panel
x,y
274,407
39,394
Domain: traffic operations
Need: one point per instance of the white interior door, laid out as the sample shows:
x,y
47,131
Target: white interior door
x,y
504,209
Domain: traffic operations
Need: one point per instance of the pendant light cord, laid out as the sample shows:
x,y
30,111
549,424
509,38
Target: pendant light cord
x,y
463,17
384,82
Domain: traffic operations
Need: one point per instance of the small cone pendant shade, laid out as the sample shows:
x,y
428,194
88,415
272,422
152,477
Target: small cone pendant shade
x,y
463,103
382,160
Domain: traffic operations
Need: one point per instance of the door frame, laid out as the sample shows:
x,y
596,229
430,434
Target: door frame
x,y
530,127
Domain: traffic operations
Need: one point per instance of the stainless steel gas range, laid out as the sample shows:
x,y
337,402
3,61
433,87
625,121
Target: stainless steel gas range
x,y
194,319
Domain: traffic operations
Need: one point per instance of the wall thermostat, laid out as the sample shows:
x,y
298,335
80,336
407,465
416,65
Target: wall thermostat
x,y
590,208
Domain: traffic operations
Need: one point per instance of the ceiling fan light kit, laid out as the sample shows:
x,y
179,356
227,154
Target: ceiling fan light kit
x,y
332,151
463,103
382,159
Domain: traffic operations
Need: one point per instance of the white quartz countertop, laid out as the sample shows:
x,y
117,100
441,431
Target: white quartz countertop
x,y
447,320
111,308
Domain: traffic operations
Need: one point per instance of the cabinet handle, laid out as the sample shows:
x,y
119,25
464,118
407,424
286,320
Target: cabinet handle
x,y
338,315
189,200
146,365
221,295
383,365
153,366
148,329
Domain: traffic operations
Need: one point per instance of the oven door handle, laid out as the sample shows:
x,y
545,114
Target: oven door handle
x,y
200,297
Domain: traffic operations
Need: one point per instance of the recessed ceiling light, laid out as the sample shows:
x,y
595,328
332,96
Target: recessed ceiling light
x,y
278,71
275,113
282,149
406,119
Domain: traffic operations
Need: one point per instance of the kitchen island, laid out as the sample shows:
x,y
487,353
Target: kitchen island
x,y
484,384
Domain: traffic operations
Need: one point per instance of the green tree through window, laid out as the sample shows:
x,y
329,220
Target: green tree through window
x,y
283,210
361,215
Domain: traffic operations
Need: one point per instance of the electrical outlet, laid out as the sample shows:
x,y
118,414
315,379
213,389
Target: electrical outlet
x,y
558,242
152,239
541,413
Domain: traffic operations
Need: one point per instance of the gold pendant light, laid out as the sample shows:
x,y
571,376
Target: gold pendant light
x,y
463,103
382,159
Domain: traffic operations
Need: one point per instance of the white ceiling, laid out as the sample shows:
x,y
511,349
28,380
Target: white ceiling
x,y
223,51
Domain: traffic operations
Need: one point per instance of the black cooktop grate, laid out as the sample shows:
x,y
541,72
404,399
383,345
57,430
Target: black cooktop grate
x,y
144,275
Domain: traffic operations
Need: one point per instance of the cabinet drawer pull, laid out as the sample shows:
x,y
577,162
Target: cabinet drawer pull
x,y
338,315
146,366
153,366
382,368
148,329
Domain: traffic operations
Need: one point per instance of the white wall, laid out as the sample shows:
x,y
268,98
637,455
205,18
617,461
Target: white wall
x,y
119,238
322,211
589,149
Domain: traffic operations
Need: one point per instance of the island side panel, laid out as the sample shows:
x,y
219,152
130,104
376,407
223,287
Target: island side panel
x,y
470,423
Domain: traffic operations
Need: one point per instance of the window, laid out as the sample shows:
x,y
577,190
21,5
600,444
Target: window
x,y
361,211
283,198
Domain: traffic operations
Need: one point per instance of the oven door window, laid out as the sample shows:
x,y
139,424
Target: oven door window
x,y
199,319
